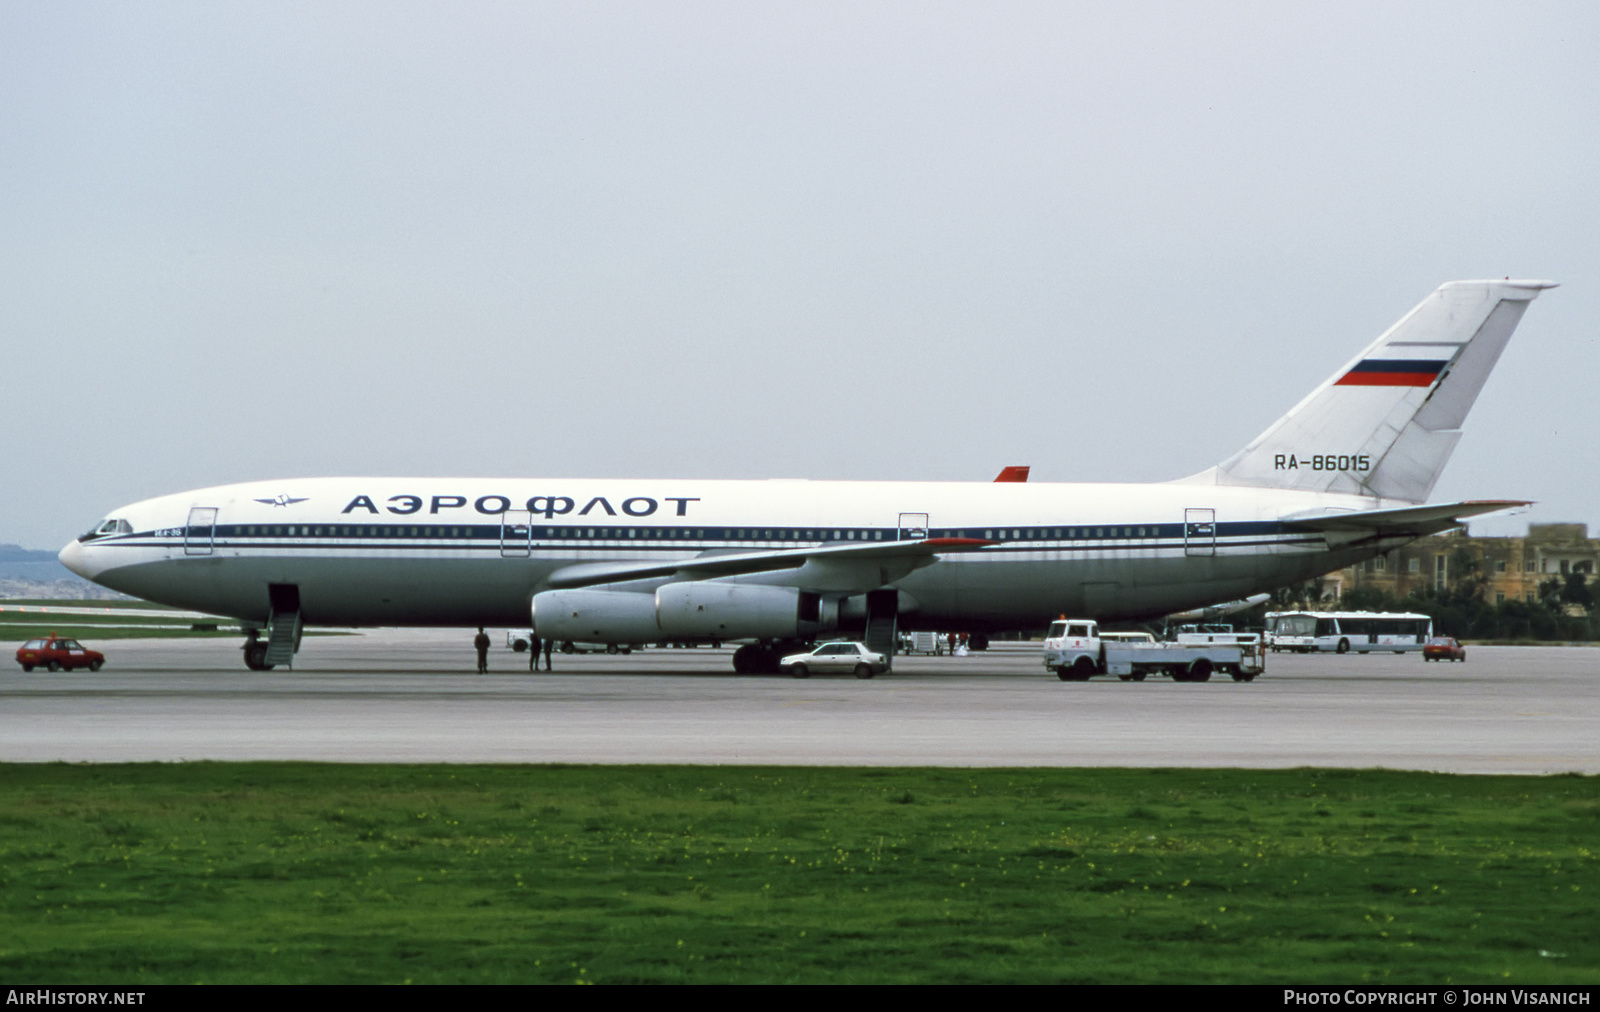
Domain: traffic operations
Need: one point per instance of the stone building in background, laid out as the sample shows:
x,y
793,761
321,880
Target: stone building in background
x,y
1513,567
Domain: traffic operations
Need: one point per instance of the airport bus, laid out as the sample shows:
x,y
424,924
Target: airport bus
x,y
1342,631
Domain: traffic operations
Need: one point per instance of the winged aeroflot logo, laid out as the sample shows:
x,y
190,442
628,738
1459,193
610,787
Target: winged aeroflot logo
x,y
279,500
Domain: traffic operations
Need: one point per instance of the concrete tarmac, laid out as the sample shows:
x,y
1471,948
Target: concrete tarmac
x,y
413,696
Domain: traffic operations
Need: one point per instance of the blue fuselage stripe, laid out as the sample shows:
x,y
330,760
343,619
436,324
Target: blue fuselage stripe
x,y
655,538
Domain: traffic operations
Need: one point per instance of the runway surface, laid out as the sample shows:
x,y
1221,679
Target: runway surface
x,y
412,696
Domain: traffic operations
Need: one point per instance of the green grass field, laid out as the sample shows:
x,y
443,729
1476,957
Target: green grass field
x,y
109,621
19,627
300,872
65,602
17,633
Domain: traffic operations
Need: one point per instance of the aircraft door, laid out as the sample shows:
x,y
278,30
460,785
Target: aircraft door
x,y
1199,532
913,527
200,535
516,534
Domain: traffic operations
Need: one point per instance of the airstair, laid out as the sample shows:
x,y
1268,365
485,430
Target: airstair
x,y
883,620
283,629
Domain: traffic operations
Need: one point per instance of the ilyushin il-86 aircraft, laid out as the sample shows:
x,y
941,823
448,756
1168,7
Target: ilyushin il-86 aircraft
x,y
1344,476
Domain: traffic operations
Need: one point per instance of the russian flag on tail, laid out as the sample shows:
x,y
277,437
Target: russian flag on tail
x,y
1388,372
1412,365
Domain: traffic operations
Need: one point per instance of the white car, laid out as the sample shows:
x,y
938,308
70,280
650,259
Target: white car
x,y
836,657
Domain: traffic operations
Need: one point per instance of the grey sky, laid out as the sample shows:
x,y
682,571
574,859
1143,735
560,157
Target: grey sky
x,y
901,241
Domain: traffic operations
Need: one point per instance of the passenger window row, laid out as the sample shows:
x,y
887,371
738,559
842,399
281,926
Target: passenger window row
x,y
519,532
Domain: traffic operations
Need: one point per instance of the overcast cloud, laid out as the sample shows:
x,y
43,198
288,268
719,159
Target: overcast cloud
x,y
904,241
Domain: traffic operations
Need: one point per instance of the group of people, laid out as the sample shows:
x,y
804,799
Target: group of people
x,y
481,643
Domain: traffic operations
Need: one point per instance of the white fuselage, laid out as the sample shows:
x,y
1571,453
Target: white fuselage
x,y
474,551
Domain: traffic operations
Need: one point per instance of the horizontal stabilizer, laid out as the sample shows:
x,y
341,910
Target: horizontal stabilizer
x,y
1213,611
1418,520
710,566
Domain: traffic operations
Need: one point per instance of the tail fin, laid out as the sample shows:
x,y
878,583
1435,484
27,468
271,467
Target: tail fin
x,y
1386,423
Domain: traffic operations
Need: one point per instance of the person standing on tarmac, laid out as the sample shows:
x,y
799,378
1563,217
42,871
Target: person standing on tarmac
x,y
549,647
481,642
533,651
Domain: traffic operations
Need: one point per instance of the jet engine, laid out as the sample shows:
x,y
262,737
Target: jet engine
x,y
709,610
729,611
595,616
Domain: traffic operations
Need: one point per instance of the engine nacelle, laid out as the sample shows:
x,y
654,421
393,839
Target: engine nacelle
x,y
691,610
724,611
595,616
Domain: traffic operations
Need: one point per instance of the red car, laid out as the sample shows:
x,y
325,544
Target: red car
x,y
55,653
1443,648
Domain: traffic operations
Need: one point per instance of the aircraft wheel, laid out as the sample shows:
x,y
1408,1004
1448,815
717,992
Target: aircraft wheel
x,y
862,671
611,648
799,671
255,657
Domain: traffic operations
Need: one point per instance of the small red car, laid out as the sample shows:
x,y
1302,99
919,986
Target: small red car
x,y
1443,648
56,653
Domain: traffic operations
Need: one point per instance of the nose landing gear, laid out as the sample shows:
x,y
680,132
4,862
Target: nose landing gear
x,y
255,651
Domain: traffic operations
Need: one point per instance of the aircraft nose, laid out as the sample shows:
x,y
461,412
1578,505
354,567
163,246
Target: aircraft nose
x,y
72,557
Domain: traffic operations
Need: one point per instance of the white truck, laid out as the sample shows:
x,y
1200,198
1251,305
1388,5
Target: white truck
x,y
1076,651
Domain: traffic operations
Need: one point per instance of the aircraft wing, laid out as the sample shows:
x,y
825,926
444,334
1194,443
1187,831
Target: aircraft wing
x,y
849,562
1408,520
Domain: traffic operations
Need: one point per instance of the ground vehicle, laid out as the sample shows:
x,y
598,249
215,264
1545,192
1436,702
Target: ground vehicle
x,y
519,639
1214,634
1343,631
836,657
1178,632
1076,651
55,654
569,647
1444,648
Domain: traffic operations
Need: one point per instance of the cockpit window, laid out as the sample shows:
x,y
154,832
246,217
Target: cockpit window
x,y
108,527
